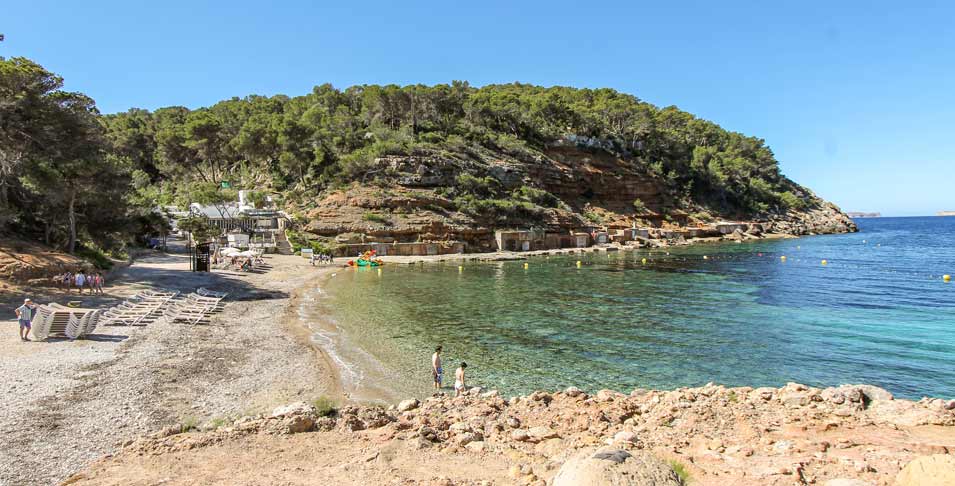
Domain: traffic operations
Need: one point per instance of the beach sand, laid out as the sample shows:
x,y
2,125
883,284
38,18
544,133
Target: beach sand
x,y
65,403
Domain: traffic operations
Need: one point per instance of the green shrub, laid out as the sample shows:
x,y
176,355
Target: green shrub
x,y
539,197
374,217
791,201
299,240
680,471
325,407
639,207
189,423
467,184
594,217
96,256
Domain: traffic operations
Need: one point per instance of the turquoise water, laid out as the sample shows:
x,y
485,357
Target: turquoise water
x,y
878,313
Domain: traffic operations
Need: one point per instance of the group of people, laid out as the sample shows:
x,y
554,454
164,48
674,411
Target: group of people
x,y
322,258
437,372
81,280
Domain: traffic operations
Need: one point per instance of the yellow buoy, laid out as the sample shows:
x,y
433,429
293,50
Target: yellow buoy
x,y
578,263
525,266
644,261
706,257
825,262
460,269
783,258
947,278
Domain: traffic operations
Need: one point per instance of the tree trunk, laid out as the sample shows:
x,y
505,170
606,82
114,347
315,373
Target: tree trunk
x,y
71,246
47,232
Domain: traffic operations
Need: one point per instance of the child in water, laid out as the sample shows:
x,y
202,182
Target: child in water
x,y
459,385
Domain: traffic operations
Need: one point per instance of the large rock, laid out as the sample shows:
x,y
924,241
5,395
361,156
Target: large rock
x,y
904,413
937,470
298,408
409,404
540,433
610,466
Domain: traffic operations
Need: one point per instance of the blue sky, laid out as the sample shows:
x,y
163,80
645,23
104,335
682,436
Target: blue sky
x,y
857,99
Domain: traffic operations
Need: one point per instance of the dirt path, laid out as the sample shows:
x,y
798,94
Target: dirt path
x,y
65,403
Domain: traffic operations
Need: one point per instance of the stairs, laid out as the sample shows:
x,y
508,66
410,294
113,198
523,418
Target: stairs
x,y
282,246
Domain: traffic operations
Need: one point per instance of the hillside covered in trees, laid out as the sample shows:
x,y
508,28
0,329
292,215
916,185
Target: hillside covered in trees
x,y
499,155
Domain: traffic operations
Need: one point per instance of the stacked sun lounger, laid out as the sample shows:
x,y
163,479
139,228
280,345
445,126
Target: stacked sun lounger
x,y
143,308
72,322
195,307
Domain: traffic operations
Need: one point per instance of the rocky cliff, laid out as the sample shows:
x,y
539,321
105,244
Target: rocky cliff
x,y
563,188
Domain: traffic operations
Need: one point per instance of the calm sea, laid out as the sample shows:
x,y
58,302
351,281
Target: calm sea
x,y
735,314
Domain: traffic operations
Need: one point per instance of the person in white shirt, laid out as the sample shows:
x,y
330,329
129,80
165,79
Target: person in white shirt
x,y
25,315
80,281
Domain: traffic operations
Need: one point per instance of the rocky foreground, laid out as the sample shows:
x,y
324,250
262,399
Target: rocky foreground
x,y
852,435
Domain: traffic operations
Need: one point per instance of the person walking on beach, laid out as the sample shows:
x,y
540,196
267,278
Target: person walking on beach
x,y
25,316
436,372
80,281
99,282
459,384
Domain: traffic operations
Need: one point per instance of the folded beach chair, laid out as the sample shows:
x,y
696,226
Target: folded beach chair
x,y
92,320
204,292
42,321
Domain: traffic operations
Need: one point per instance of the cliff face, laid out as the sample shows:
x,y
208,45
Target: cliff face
x,y
418,198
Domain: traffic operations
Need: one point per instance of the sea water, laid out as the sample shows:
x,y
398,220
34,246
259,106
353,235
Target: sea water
x,y
732,313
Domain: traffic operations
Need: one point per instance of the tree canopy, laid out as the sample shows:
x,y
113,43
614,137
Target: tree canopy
x,y
69,174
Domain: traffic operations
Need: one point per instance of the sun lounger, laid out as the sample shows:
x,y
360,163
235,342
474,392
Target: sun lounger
x,y
42,322
195,307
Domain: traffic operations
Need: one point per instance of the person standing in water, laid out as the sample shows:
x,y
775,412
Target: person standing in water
x,y
459,384
436,372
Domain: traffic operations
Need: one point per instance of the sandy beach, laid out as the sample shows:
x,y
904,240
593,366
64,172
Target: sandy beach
x,y
66,403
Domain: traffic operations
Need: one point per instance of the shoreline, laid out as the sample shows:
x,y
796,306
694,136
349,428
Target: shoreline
x,y
67,403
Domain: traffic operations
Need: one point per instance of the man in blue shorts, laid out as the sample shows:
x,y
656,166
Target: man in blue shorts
x,y
25,315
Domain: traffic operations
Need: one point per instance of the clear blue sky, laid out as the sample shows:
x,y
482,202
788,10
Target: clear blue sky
x,y
857,99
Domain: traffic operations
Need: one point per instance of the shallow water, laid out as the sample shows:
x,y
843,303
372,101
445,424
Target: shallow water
x,y
878,313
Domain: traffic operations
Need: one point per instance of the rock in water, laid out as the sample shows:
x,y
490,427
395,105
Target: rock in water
x,y
937,470
610,466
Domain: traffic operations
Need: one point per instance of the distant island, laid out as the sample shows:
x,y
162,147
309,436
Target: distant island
x,y
864,215
943,213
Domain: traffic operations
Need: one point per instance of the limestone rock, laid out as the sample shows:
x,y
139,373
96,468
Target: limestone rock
x,y
625,436
904,413
540,433
573,391
298,408
936,470
610,466
409,404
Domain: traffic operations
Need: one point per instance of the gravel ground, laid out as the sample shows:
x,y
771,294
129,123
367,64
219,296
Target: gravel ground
x,y
66,403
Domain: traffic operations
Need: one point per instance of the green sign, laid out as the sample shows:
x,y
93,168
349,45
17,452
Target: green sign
x,y
225,184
